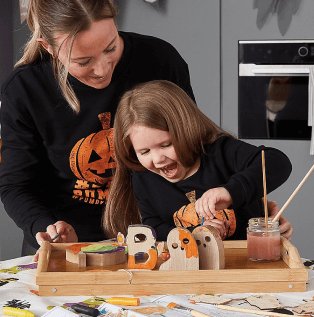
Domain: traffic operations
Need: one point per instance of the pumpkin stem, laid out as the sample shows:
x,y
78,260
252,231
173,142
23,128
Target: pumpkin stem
x,y
104,118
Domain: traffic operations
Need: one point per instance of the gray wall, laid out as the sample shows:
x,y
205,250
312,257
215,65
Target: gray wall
x,y
193,28
206,33
10,235
12,37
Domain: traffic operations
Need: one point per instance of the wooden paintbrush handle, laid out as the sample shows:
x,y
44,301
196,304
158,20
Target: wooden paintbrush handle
x,y
196,313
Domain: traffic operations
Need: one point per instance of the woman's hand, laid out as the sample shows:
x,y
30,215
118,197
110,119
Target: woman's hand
x,y
212,200
220,225
285,226
60,231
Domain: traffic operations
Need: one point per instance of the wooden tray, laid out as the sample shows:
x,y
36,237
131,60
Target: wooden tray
x,y
56,277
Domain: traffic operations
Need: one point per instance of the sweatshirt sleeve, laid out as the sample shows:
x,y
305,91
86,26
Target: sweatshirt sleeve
x,y
21,170
246,181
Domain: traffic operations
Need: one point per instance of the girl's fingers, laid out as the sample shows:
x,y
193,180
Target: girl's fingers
x,y
204,208
219,225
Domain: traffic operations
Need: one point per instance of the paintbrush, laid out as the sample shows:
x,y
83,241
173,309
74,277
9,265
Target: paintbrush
x,y
193,312
55,237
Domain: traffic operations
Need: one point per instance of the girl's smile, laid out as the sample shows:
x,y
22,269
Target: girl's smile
x,y
155,151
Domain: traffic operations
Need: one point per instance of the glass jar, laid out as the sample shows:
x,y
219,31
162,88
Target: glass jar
x,y
263,242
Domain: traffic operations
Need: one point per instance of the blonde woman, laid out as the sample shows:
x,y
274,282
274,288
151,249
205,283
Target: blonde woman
x,y
57,112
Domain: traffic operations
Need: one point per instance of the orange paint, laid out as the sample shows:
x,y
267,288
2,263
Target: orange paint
x,y
76,248
191,249
149,264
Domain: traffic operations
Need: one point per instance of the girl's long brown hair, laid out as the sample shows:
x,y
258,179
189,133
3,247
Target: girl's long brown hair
x,y
160,105
46,18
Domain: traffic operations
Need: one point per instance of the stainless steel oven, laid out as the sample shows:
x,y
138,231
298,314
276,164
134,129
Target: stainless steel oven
x,y
275,89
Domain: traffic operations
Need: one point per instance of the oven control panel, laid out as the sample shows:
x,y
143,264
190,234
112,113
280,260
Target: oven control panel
x,y
270,52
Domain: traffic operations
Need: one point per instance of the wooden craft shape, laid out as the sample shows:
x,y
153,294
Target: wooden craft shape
x,y
140,239
210,248
183,251
77,258
83,259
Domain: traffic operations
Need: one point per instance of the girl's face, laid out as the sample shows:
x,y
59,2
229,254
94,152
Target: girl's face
x,y
95,53
155,152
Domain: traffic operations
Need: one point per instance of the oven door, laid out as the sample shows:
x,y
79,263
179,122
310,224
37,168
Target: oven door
x,y
274,102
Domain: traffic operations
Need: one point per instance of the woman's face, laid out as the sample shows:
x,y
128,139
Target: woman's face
x,y
94,55
155,151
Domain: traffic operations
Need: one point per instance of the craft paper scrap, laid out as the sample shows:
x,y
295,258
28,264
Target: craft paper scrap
x,y
17,268
265,301
210,299
59,312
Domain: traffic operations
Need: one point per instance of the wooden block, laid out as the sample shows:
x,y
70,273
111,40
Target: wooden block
x,y
104,259
183,251
96,259
77,258
140,239
210,248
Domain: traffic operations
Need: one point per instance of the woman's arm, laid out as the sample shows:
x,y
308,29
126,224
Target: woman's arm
x,y
22,172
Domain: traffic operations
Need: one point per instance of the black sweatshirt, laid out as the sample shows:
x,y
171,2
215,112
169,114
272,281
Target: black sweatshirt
x,y
57,165
229,163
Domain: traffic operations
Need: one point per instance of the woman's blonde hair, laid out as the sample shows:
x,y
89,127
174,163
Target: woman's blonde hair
x,y
46,18
160,105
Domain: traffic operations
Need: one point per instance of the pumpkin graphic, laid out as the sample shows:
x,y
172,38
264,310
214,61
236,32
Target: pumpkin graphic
x,y
92,158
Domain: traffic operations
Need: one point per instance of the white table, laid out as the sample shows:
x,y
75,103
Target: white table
x,y
20,288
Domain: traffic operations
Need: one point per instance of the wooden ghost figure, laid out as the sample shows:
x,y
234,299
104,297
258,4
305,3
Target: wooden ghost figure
x,y
141,240
210,248
182,249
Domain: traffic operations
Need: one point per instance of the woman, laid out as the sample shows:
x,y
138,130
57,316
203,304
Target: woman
x,y
57,111
175,165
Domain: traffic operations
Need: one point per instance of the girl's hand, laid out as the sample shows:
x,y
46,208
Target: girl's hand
x,y
220,225
212,200
60,231
285,226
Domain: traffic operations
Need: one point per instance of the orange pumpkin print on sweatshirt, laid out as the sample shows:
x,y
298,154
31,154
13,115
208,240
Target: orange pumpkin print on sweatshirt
x,y
92,162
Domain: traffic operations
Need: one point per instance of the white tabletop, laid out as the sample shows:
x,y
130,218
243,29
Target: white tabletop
x,y
17,287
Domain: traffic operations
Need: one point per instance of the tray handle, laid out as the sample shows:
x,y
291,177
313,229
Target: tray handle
x,y
290,254
44,255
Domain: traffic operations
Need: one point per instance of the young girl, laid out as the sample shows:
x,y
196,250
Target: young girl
x,y
171,158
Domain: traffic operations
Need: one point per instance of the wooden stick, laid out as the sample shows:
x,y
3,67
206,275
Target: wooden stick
x,y
251,311
293,194
265,189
